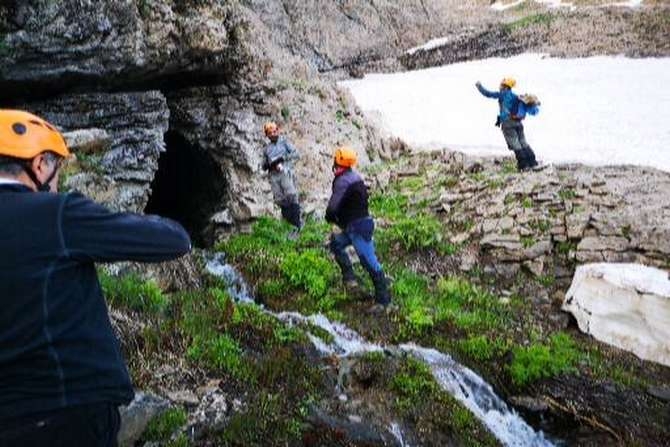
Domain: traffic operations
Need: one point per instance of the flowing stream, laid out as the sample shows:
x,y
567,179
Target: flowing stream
x,y
461,382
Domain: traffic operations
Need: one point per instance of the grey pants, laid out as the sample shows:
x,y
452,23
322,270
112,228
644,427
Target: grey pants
x,y
286,195
516,141
283,187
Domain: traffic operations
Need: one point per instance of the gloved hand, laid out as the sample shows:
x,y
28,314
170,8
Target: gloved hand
x,y
478,84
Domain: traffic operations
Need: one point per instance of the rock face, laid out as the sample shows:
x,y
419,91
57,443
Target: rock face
x,y
625,305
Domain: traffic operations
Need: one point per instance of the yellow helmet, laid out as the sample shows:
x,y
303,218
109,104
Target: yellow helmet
x,y
24,135
345,157
270,127
509,82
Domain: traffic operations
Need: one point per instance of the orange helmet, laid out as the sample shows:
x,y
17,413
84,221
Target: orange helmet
x,y
269,127
345,157
509,82
24,135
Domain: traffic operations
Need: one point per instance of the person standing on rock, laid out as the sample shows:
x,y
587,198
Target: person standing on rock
x,y
348,209
62,375
278,159
513,110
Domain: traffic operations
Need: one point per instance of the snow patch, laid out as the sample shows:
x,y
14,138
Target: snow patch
x,y
599,110
625,305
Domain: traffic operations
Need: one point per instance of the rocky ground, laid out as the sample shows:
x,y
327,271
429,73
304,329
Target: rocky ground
x,y
480,258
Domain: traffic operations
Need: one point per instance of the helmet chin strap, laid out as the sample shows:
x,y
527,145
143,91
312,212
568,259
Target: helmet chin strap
x,y
42,187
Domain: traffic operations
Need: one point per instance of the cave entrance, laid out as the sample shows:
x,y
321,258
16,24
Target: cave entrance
x,y
188,187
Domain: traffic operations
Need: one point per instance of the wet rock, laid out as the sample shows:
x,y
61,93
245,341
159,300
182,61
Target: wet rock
x,y
351,430
136,416
528,403
660,392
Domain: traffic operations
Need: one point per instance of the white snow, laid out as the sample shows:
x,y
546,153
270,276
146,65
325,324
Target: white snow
x,y
625,305
434,43
497,6
597,110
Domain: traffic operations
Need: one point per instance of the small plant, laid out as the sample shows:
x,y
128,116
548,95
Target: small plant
x,y
567,194
481,348
527,241
163,426
132,292
285,113
392,206
219,353
535,19
413,384
527,202
310,270
416,232
540,360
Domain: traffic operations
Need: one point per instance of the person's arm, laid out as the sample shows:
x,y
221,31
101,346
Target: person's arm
x,y
91,232
333,209
292,153
487,93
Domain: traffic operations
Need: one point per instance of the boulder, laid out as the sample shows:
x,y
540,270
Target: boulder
x,y
137,415
625,305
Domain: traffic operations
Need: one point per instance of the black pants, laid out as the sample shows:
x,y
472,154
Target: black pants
x,y
516,141
95,425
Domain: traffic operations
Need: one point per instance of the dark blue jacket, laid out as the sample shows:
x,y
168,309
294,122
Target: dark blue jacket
x,y
57,347
349,200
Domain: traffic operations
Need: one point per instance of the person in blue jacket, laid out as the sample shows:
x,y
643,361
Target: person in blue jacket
x,y
513,110
348,209
62,374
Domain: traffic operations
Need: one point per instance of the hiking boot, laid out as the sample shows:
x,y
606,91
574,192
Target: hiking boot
x,y
382,295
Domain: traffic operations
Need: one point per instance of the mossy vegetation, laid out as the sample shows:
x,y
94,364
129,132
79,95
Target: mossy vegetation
x,y
543,19
162,427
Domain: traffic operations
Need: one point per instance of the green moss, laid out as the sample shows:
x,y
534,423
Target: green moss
x,y
567,194
163,426
481,348
131,292
538,361
544,19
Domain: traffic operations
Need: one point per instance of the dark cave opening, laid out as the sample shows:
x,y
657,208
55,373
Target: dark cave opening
x,y
188,187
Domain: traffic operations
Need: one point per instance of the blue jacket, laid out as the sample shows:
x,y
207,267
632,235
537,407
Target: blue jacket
x,y
509,103
349,200
57,347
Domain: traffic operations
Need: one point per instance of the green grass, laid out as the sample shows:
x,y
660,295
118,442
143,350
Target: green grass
x,y
481,348
163,426
133,293
531,20
539,361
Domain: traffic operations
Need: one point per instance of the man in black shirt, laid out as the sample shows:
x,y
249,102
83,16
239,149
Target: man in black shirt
x,y
62,376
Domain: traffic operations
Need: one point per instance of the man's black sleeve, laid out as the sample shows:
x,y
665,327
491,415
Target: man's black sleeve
x,y
91,232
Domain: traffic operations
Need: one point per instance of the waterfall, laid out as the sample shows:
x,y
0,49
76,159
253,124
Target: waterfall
x,y
461,382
